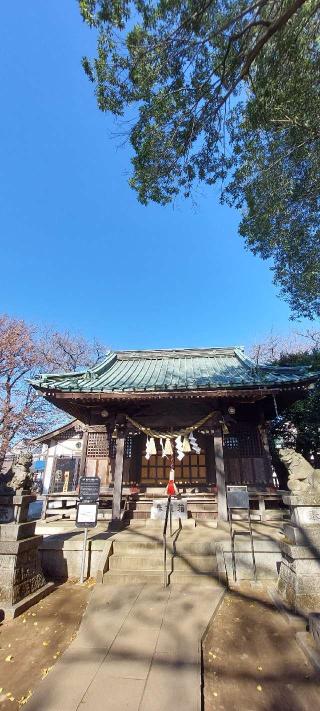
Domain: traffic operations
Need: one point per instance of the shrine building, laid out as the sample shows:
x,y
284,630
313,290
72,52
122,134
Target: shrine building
x,y
200,411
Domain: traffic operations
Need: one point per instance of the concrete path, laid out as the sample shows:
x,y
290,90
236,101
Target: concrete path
x,y
138,649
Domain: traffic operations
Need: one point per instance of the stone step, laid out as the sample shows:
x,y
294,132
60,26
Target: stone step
x,y
185,545
157,525
195,564
151,577
138,563
133,545
200,579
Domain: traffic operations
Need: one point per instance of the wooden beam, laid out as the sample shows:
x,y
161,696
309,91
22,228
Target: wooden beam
x,y
220,474
118,476
84,396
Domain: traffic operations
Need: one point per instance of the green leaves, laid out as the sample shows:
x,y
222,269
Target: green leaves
x,y
224,90
304,414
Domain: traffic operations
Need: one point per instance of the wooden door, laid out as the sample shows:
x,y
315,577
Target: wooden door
x,y
191,470
244,456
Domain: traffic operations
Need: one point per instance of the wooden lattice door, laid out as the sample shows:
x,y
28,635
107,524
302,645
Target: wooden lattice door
x,y
97,458
191,470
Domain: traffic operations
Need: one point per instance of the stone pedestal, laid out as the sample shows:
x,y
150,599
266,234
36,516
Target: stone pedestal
x,y
299,578
22,581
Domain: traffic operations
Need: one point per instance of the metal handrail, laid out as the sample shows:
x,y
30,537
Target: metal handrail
x,y
233,534
164,534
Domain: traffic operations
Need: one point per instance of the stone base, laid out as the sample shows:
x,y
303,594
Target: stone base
x,y
20,570
299,579
314,626
9,612
267,557
17,531
309,647
303,536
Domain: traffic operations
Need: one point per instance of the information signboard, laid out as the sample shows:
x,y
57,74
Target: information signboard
x,y
89,488
237,497
87,514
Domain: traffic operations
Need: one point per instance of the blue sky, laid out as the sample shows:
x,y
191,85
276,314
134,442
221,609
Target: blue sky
x,y
77,250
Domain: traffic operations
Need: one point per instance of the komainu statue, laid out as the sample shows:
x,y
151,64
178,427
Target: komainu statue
x,y
18,476
302,475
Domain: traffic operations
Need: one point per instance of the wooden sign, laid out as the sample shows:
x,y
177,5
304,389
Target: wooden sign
x,y
66,482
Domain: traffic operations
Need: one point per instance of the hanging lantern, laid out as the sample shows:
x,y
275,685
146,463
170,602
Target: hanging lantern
x,y
168,447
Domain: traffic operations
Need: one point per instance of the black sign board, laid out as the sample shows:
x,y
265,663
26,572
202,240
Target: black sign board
x,y
237,497
89,488
87,514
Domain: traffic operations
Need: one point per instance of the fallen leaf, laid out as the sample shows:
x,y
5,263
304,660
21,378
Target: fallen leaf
x,y
9,658
259,668
24,699
259,688
45,644
24,621
215,693
45,671
35,624
33,614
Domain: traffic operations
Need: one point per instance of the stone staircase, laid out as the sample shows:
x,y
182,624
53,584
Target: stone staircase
x,y
201,507
137,557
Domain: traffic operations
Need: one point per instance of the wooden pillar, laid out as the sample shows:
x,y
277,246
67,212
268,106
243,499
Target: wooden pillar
x,y
267,456
220,475
83,459
118,476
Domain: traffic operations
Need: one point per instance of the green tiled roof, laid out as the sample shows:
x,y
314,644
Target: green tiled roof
x,y
172,370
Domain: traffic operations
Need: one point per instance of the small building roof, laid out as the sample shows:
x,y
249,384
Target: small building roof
x,y
50,434
174,370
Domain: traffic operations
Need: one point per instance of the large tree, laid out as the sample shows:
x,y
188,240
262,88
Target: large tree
x,y
227,91
25,351
299,425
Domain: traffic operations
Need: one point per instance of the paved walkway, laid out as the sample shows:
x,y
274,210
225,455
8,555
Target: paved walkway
x,y
138,649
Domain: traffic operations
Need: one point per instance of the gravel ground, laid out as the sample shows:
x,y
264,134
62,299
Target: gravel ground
x,y
252,661
31,644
